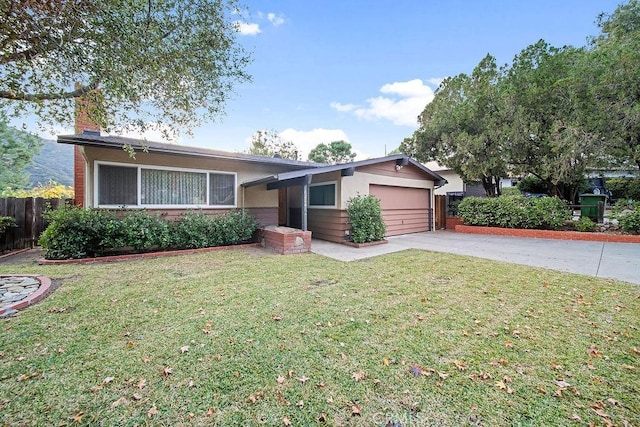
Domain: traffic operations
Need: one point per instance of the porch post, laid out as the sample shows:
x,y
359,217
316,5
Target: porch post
x,y
305,201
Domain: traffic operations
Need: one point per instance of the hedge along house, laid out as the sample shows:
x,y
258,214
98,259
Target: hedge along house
x,y
173,179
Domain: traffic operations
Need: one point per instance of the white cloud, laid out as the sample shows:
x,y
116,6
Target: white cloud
x,y
154,132
436,81
402,103
276,20
307,140
247,29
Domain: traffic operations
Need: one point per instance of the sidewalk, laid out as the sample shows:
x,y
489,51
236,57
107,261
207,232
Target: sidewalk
x,y
619,261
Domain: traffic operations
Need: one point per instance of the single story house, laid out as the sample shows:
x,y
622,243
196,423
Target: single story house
x,y
172,179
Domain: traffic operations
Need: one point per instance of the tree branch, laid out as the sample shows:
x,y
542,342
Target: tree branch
x,y
82,90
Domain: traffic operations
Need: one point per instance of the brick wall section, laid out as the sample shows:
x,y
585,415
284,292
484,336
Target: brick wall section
x,y
452,221
285,240
82,123
548,234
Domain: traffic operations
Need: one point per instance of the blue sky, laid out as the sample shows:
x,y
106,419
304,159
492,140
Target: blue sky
x,y
362,71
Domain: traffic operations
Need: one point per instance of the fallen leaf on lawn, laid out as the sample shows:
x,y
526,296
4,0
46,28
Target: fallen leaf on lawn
x,y
77,418
329,400
96,388
556,366
119,402
286,421
322,418
303,379
108,380
506,379
613,402
576,417
184,349
206,331
60,351
209,324
508,344
561,383
358,376
146,360
465,333
635,350
385,361
461,366
153,411
355,410
558,393
276,317
593,351
300,403
141,383
166,371
320,385
281,379
442,375
601,413
136,397
629,367
210,412
190,383
416,370
542,390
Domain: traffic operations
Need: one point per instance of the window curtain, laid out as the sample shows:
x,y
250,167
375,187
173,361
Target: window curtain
x,y
165,187
221,189
117,185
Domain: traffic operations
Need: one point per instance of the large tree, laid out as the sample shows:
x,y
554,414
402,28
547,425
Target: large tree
x,y
616,58
270,143
552,131
333,153
17,149
461,127
168,63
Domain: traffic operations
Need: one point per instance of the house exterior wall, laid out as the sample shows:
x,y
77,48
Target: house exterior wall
x,y
260,202
454,183
332,224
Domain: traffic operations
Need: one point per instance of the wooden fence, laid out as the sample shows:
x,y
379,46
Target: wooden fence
x,y
30,222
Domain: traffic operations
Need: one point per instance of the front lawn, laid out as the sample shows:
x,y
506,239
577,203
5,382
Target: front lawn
x,y
248,338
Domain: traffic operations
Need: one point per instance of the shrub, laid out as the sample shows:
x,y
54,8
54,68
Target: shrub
x,y
365,217
6,222
628,215
79,233
510,191
514,212
75,233
531,184
624,188
585,224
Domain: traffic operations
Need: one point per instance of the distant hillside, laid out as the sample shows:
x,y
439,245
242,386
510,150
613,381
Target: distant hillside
x,y
55,162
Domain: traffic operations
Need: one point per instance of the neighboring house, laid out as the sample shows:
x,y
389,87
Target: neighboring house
x,y
455,185
172,179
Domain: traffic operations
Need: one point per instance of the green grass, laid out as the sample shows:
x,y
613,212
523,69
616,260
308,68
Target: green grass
x,y
492,341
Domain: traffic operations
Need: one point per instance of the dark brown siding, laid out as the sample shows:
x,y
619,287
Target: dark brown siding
x,y
265,216
405,210
328,224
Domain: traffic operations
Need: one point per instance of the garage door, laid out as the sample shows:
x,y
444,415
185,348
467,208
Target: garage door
x,y
405,210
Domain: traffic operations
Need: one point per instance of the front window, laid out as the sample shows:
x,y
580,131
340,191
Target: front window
x,y
322,195
149,186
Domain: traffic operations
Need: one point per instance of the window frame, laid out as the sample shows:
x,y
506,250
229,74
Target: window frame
x,y
139,167
335,195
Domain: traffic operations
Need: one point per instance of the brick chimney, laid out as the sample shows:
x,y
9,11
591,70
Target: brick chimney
x,y
82,122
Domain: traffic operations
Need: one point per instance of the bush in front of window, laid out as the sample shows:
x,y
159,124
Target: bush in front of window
x,y
81,233
365,217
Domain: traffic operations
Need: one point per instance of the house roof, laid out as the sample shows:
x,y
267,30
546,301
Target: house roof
x,y
299,170
346,168
94,139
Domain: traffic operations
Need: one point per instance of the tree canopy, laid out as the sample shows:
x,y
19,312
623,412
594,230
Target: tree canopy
x,y
552,113
333,153
17,149
165,63
270,143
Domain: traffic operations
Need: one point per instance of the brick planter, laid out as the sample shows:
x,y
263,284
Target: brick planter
x,y
549,234
285,240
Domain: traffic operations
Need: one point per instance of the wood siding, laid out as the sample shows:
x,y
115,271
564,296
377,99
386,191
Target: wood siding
x,y
405,210
389,169
328,224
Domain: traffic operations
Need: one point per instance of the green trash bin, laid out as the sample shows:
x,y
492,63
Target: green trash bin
x,y
589,206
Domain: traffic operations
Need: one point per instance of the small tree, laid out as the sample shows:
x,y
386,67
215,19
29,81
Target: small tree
x,y
269,143
365,216
334,153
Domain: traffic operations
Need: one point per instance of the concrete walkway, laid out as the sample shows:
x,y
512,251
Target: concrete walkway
x,y
600,259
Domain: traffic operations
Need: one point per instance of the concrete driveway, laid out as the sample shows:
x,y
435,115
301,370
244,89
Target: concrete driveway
x,y
600,259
